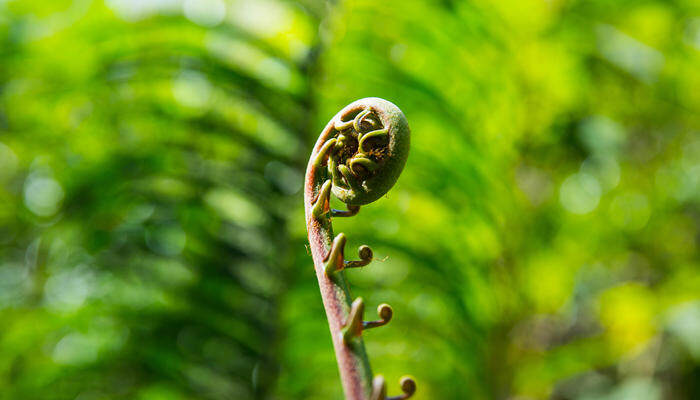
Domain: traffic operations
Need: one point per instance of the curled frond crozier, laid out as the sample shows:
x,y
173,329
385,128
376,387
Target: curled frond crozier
x,y
366,150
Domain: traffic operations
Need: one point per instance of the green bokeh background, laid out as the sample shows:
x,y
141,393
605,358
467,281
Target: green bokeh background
x,y
542,241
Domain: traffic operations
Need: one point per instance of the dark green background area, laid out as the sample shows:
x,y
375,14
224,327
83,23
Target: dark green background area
x,y
542,241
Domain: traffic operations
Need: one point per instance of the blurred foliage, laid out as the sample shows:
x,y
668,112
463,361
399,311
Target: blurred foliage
x,y
542,241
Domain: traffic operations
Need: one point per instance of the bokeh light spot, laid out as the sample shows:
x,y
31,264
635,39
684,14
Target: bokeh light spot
x,y
630,211
75,349
68,290
192,89
208,13
43,195
580,193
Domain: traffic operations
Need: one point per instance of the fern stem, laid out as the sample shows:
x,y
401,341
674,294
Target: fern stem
x,y
342,144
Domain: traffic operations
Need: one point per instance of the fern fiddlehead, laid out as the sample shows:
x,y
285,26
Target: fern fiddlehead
x,y
358,157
